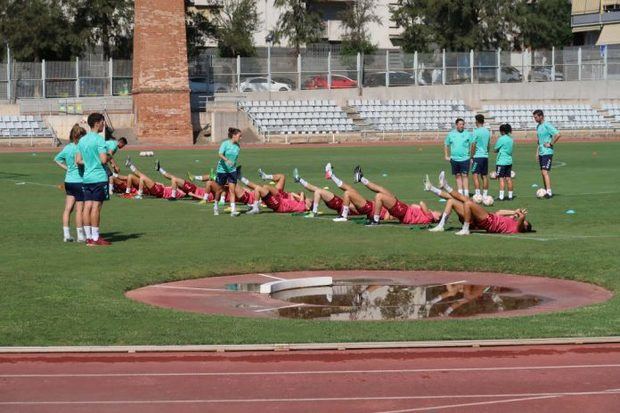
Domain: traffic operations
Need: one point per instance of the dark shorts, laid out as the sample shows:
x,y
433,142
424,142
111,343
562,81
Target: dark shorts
x,y
399,210
107,170
503,171
75,190
545,162
272,202
459,167
480,166
97,192
226,178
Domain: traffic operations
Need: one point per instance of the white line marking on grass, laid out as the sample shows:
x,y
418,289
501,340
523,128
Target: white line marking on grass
x,y
552,238
278,308
317,372
170,287
273,277
19,182
310,399
559,164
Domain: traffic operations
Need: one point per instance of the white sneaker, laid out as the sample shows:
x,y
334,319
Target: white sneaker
x,y
216,212
235,213
427,183
438,228
328,171
137,197
340,219
462,232
253,211
310,214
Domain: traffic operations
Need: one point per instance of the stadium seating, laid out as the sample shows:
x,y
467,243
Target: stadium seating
x,y
563,116
613,109
15,126
412,115
297,117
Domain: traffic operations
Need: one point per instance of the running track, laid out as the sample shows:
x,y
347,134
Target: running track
x,y
566,378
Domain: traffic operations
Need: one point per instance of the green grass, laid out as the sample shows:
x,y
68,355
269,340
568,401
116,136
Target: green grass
x,y
57,294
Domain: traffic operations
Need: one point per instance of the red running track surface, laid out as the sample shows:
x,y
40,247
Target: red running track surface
x,y
567,378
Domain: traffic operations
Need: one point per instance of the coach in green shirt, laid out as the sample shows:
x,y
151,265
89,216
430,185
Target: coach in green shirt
x,y
547,136
457,151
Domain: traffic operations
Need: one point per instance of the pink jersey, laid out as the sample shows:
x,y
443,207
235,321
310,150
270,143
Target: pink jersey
x,y
498,224
291,205
168,193
415,216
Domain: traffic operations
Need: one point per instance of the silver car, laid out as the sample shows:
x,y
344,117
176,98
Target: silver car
x,y
261,84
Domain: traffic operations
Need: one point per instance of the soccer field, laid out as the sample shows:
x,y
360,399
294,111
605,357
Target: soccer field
x,y
53,293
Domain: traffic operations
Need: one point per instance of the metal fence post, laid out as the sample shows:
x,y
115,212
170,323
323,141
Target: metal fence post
x,y
329,69
499,65
299,71
387,68
8,73
269,66
471,66
43,78
77,77
605,63
111,77
415,67
579,63
443,67
523,76
238,73
553,64
359,72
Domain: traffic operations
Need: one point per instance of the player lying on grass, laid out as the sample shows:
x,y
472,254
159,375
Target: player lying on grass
x,y
275,197
473,215
352,197
126,185
156,189
414,214
207,193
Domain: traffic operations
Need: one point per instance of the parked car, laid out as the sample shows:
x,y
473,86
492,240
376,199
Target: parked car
x,y
396,79
509,74
338,82
543,74
261,84
291,83
201,85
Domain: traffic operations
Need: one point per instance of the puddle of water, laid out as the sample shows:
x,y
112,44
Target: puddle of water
x,y
373,301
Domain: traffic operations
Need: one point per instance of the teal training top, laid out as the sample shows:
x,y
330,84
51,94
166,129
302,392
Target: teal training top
x,y
482,136
504,146
231,151
67,157
91,146
545,132
459,143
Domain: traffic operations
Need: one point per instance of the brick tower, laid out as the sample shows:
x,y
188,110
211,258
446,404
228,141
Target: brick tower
x,y
160,73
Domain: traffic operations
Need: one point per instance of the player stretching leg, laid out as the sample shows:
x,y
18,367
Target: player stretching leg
x,y
276,198
155,189
331,200
189,188
414,214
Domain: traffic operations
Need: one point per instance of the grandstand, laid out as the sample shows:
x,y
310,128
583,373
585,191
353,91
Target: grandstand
x,y
563,116
613,109
22,127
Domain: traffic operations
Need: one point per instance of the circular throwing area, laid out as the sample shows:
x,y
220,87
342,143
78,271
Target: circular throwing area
x,y
371,295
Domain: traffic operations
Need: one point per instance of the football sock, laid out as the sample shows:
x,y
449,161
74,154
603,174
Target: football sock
x,y
315,207
245,181
465,226
161,171
233,207
132,167
436,191
65,232
174,193
336,180
501,194
80,233
477,192
443,220
345,212
376,218
95,233
485,192
509,194
88,232
303,182
549,192
364,181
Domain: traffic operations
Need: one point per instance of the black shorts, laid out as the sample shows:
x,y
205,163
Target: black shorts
x,y
480,166
224,178
545,162
107,170
75,190
459,167
503,171
97,192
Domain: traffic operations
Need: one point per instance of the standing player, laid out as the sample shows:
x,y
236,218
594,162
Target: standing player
x,y
92,153
548,136
227,167
73,185
503,163
457,147
414,214
112,146
480,156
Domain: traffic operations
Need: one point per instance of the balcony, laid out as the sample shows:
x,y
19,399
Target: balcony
x,y
595,19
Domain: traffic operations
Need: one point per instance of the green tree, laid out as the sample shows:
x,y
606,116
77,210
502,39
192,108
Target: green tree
x,y
199,30
544,24
355,20
236,24
297,24
37,29
105,23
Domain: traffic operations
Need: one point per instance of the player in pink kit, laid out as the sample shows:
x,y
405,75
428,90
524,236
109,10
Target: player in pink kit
x,y
275,197
414,214
156,189
473,215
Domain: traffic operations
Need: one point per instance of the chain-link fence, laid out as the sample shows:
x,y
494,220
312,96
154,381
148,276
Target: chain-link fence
x,y
281,70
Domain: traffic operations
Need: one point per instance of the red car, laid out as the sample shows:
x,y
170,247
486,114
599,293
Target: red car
x,y
338,82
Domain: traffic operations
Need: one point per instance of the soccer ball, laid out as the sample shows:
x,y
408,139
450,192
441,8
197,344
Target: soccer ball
x,y
541,192
487,200
513,174
493,175
477,199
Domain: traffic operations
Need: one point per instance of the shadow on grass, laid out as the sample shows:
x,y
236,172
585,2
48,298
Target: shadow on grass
x,y
119,236
12,175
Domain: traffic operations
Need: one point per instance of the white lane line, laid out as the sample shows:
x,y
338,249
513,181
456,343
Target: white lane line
x,y
273,277
278,308
314,372
170,287
453,406
313,399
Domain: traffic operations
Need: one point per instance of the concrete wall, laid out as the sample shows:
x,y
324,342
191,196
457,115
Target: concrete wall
x,y
62,124
474,95
223,118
